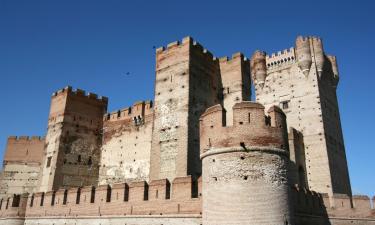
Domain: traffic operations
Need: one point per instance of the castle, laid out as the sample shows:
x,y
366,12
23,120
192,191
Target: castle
x,y
200,153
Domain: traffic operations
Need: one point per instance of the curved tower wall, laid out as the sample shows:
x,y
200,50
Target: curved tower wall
x,y
244,166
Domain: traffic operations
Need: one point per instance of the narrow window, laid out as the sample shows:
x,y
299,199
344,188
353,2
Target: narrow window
x,y
145,194
194,189
228,90
6,207
78,198
109,193
249,117
42,199
1,204
65,199
157,194
126,193
53,198
285,104
168,190
79,158
49,161
92,200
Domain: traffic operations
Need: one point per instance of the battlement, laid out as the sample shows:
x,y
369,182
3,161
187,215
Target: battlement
x,y
234,56
24,149
139,109
80,92
185,41
158,197
251,127
280,58
338,205
26,138
13,207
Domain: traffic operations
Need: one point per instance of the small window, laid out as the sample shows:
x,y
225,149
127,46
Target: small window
x,y
42,199
49,161
79,158
78,197
92,199
285,104
53,198
65,199
109,193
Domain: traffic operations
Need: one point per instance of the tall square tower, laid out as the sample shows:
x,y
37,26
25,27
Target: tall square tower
x,y
303,81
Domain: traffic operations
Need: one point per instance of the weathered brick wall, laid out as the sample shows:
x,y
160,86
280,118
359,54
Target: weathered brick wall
x,y
21,165
125,153
235,77
314,208
296,79
73,140
297,164
245,166
187,82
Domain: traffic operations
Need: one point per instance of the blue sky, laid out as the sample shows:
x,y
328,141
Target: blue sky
x,y
46,45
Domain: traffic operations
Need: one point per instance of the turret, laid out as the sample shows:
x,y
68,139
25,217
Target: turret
x,y
303,54
244,166
318,53
258,68
335,70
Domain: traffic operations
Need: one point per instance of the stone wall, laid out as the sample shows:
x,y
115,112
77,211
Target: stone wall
x,y
125,153
21,165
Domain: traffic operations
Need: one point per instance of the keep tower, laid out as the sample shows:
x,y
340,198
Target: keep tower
x,y
72,148
303,81
245,166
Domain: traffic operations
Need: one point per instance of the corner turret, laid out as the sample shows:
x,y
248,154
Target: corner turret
x,y
303,53
319,54
259,68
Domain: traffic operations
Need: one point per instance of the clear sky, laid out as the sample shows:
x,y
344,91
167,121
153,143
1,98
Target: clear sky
x,y
46,45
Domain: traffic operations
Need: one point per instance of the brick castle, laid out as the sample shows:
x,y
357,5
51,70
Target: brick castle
x,y
200,153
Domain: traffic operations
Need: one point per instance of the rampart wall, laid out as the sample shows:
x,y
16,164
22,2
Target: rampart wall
x,y
125,152
155,201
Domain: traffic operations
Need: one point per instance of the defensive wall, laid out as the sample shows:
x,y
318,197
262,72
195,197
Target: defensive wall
x,y
126,146
155,202
159,202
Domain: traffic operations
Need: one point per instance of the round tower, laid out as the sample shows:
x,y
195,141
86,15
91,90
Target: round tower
x,y
258,68
244,166
318,53
303,54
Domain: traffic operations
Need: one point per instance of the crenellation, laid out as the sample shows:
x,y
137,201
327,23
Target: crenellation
x,y
285,57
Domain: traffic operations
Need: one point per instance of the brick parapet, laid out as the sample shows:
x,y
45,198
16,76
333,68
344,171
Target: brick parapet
x,y
139,109
81,93
143,199
339,205
24,149
251,127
